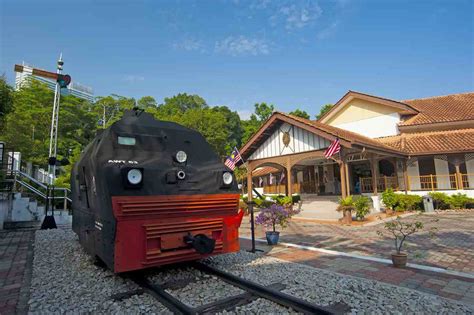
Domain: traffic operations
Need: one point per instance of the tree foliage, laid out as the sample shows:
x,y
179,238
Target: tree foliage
x,y
300,113
326,108
263,111
6,99
27,126
26,119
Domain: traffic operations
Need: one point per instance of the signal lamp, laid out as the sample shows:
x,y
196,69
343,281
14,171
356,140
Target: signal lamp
x,y
63,80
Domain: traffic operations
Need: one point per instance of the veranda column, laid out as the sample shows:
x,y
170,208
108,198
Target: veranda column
x,y
288,180
249,183
348,182
342,171
458,176
375,197
405,175
373,169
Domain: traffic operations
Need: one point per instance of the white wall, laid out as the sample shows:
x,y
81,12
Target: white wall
x,y
374,127
300,141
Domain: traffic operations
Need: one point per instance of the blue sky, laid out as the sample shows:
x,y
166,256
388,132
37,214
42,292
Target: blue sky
x,y
293,54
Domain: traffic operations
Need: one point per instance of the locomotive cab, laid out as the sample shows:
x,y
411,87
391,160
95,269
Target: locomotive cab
x,y
148,193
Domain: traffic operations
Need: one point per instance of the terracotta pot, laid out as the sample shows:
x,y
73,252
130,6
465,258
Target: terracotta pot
x,y
399,260
347,216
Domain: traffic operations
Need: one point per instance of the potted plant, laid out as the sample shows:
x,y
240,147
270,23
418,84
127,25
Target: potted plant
x,y
271,217
346,206
400,231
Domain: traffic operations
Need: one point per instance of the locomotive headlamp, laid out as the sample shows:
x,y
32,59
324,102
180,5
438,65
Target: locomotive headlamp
x,y
134,176
227,178
181,156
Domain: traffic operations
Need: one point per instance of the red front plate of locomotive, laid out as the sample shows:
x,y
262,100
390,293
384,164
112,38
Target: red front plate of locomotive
x,y
150,229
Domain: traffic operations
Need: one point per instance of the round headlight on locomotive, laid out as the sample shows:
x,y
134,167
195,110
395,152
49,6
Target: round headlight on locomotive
x,y
227,178
181,156
134,176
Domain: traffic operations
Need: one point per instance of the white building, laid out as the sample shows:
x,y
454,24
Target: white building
x,y
419,146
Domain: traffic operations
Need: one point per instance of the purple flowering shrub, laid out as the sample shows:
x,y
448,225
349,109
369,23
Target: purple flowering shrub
x,y
274,215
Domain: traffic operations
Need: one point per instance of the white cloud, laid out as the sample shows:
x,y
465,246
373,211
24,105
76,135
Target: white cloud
x,y
297,15
242,45
189,44
328,31
131,78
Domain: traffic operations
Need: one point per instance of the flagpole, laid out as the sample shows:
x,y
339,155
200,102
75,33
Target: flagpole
x,y
250,205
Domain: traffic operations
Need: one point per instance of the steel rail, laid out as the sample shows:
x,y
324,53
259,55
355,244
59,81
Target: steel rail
x,y
265,292
270,293
172,303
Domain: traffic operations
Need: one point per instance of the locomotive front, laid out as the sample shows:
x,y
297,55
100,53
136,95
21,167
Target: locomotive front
x,y
149,193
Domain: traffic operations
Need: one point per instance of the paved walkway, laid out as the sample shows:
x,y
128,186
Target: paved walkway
x,y
16,260
448,286
451,248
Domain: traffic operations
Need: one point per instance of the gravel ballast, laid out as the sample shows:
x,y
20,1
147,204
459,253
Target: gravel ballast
x,y
65,280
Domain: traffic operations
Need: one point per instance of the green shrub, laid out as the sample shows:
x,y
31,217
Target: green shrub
x,y
362,206
441,200
389,198
408,202
460,201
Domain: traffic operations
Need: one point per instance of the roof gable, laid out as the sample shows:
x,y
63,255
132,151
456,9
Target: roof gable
x,y
395,106
347,138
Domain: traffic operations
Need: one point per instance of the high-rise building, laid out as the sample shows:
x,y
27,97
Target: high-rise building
x,y
74,88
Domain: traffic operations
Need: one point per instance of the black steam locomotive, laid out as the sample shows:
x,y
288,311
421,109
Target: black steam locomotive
x,y
148,193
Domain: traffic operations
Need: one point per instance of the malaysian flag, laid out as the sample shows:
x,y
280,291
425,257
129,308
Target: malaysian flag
x,y
334,148
232,160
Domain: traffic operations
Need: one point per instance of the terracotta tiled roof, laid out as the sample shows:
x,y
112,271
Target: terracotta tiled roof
x,y
454,107
461,140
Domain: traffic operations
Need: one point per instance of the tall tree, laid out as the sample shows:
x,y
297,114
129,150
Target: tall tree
x,y
180,103
250,126
27,126
147,103
110,108
233,125
263,111
6,99
300,113
326,108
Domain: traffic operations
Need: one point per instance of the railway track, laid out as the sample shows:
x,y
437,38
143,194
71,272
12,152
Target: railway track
x,y
252,292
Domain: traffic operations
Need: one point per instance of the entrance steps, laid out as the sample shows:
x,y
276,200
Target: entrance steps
x,y
319,207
